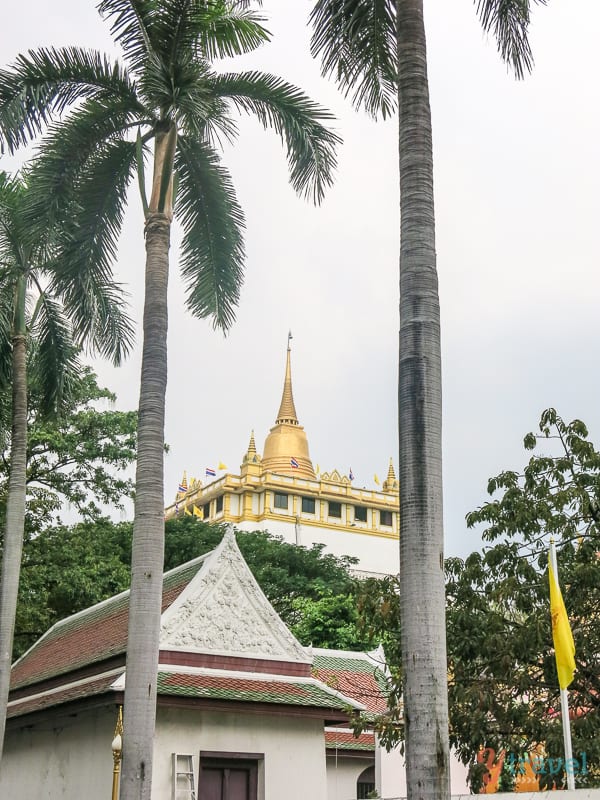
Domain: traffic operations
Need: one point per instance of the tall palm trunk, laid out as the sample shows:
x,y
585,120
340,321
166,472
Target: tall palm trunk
x,y
147,558
420,424
15,505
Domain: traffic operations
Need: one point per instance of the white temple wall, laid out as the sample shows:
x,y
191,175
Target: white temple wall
x,y
342,775
293,748
377,554
64,759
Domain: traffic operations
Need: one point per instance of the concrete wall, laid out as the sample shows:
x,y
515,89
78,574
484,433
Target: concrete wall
x,y
378,554
342,774
69,759
293,747
390,774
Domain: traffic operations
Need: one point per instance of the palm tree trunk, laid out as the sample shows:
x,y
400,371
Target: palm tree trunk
x,y
422,591
15,505
147,557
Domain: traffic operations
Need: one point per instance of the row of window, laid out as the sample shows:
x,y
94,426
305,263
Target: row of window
x,y
334,509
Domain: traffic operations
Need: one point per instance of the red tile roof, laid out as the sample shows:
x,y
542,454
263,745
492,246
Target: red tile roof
x,y
65,694
249,689
355,676
346,740
92,635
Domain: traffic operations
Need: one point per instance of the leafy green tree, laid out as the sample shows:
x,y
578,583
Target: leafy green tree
x,y
67,569
376,50
78,460
26,264
168,92
504,690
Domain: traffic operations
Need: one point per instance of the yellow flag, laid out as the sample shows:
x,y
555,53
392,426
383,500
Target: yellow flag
x,y
564,646
222,465
198,512
376,479
317,470
188,512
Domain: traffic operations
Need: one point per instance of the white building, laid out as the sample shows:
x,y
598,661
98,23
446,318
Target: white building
x,y
242,707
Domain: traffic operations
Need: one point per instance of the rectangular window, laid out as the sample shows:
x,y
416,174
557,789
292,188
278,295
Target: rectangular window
x,y
219,504
281,500
206,511
335,509
385,518
308,505
360,513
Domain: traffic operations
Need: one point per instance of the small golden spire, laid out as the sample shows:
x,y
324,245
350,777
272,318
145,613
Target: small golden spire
x,y
391,476
390,484
287,409
252,445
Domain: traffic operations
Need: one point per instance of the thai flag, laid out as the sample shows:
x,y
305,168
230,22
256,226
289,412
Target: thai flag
x,y
210,473
294,463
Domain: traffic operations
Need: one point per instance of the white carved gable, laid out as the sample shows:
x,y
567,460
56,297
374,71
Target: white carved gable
x,y
224,611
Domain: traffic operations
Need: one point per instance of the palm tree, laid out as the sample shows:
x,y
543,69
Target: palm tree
x,y
25,264
169,97
376,50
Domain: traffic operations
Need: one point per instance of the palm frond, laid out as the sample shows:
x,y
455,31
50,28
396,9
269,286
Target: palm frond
x,y
131,23
508,21
212,253
62,157
87,247
356,40
207,28
310,146
56,361
44,83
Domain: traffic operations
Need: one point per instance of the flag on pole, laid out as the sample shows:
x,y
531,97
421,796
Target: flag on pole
x,y
198,512
222,465
294,463
187,512
317,470
176,507
376,479
351,475
564,646
210,472
183,485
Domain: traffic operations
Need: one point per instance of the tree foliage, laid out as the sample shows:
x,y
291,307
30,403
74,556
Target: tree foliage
x,y
503,685
68,568
78,460
504,689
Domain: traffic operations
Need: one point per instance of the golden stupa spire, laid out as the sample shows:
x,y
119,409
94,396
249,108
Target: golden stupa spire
x,y
287,409
252,445
390,484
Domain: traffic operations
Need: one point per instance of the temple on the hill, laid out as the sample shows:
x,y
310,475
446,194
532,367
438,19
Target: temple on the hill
x,y
282,492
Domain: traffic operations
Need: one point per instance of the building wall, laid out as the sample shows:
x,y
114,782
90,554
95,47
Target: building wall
x,y
66,759
342,775
293,747
378,554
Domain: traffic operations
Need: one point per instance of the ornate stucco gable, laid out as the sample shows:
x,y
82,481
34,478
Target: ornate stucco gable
x,y
223,611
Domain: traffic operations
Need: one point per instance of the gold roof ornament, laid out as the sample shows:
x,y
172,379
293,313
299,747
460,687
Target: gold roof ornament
x,y
251,455
286,447
390,484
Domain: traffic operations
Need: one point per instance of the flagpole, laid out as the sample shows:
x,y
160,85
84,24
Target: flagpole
x,y
564,701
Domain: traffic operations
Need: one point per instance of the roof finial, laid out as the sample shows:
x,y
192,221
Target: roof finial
x,y
287,409
252,445
290,337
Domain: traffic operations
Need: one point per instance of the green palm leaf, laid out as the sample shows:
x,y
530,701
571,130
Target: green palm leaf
x,y
63,156
356,40
212,250
298,121
509,23
43,84
56,363
206,28
130,25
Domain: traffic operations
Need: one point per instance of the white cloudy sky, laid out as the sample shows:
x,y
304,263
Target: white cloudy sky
x,y
517,169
